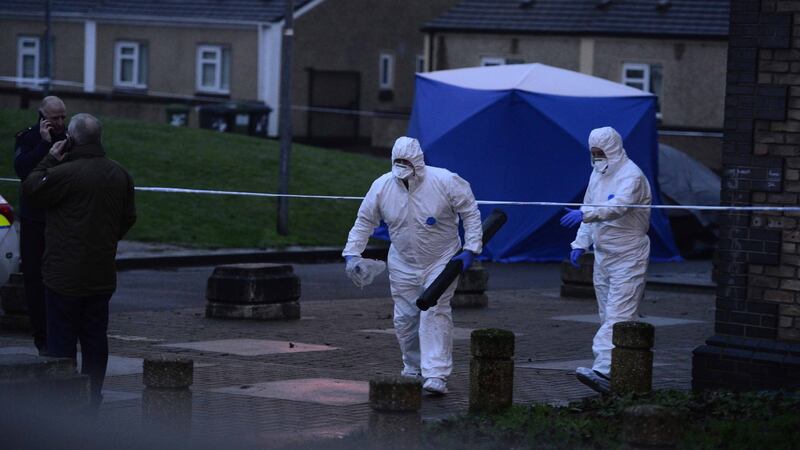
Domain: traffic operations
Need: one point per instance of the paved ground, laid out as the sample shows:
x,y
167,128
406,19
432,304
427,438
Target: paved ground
x,y
264,386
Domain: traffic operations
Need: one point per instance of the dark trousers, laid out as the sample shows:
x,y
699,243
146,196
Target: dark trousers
x,y
85,319
31,251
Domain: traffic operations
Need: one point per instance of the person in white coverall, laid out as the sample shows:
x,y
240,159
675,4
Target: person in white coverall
x,y
621,245
421,206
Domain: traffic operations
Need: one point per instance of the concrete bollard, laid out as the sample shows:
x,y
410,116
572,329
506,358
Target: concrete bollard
x,y
631,358
650,427
578,282
167,399
12,300
253,291
395,421
491,370
471,288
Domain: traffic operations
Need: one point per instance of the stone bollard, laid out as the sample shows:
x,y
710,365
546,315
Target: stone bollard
x,y
395,421
167,399
631,358
650,427
471,288
42,384
253,291
491,370
578,282
12,300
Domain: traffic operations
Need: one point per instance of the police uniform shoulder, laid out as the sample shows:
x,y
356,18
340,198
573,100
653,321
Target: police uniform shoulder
x,y
22,133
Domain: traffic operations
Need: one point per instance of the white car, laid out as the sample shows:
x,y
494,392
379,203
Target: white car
x,y
9,242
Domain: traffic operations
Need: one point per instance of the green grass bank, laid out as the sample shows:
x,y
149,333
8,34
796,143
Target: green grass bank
x,y
165,156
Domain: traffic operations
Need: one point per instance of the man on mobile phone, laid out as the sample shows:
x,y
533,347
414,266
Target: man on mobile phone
x,y
33,144
90,206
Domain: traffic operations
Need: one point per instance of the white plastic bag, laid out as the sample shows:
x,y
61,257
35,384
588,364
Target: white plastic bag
x,y
363,271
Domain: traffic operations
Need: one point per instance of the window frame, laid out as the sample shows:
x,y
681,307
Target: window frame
x,y
420,63
136,57
22,52
646,81
218,61
386,76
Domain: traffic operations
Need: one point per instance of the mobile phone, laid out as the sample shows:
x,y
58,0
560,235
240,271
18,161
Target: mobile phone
x,y
68,145
42,117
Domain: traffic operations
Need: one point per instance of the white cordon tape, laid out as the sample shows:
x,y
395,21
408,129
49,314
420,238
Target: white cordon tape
x,y
480,202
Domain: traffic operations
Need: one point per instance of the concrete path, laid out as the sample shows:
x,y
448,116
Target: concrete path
x,y
265,384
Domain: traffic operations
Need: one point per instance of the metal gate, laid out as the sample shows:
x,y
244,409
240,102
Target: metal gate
x,y
333,100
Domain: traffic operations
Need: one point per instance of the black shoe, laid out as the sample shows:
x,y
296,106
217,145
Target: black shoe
x,y
594,379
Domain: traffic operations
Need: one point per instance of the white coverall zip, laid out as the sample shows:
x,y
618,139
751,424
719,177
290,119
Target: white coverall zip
x,y
423,227
619,235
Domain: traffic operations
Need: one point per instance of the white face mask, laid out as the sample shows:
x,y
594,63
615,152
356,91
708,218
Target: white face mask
x,y
402,171
600,165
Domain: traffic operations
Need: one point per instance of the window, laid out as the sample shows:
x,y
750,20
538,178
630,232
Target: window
x,y
646,77
130,65
420,63
386,71
214,69
28,60
492,61
497,61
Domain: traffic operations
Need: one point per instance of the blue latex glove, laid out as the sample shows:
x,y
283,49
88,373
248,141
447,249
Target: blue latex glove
x,y
466,258
571,218
574,255
353,266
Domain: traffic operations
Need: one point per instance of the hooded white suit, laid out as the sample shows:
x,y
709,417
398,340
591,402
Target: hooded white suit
x,y
423,227
619,235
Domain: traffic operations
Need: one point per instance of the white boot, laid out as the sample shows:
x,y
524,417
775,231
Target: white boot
x,y
593,379
435,386
416,376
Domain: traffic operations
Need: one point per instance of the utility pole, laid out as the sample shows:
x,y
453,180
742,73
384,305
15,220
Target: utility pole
x,y
46,49
285,117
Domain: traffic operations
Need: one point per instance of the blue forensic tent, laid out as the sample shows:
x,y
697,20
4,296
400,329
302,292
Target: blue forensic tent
x,y
519,133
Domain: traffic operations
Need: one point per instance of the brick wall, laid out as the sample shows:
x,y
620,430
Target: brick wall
x,y
759,252
757,340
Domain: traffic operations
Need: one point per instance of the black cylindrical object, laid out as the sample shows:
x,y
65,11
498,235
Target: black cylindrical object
x,y
453,268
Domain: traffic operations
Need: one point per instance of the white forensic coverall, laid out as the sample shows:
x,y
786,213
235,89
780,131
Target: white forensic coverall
x,y
423,227
619,235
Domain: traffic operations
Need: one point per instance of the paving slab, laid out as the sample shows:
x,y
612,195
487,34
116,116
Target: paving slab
x,y
111,396
567,365
653,320
324,391
250,347
459,334
133,338
117,365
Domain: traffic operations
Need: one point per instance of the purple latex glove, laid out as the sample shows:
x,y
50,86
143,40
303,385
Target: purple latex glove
x,y
466,258
574,255
571,218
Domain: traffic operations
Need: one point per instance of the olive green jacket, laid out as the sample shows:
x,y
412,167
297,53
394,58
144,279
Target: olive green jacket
x,y
89,203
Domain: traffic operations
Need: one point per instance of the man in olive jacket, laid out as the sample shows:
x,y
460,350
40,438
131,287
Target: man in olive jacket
x,y
89,204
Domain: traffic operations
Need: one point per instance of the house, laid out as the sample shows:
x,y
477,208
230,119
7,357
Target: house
x,y
135,58
352,73
354,66
676,49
